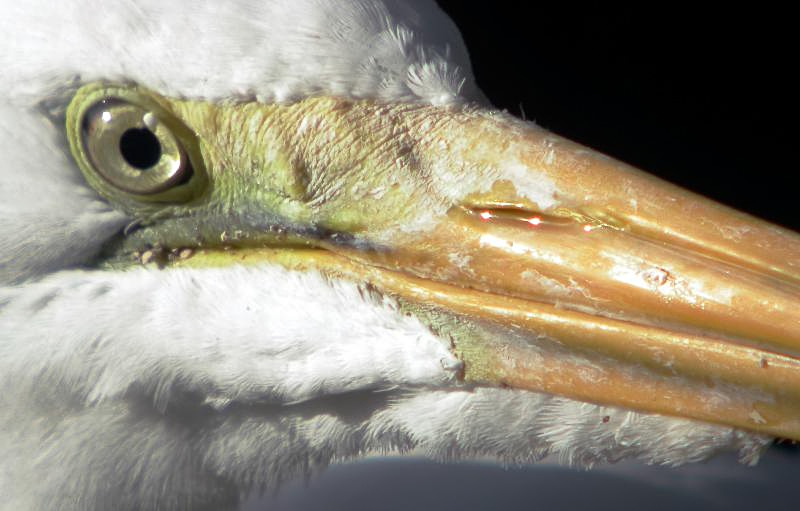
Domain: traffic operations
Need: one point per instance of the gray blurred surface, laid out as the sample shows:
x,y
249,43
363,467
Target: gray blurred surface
x,y
412,484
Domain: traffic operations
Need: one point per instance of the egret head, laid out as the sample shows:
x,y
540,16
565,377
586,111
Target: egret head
x,y
266,236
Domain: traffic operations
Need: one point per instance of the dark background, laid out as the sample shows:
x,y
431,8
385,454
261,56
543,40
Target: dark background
x,y
703,99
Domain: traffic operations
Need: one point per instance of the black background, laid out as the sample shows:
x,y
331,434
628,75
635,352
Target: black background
x,y
703,99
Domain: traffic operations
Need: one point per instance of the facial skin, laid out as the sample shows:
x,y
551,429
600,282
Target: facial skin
x,y
470,216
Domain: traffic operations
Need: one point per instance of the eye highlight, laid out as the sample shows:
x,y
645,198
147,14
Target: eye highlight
x,y
132,149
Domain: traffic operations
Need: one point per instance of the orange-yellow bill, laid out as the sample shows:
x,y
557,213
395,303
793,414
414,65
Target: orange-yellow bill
x,y
630,291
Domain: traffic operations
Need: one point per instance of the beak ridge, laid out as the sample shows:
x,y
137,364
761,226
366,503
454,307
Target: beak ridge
x,y
675,304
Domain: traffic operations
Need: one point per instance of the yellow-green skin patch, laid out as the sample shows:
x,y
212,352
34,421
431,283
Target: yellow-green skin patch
x,y
342,165
364,168
367,169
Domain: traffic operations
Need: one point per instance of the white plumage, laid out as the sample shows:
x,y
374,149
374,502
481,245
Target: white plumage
x,y
188,387
273,50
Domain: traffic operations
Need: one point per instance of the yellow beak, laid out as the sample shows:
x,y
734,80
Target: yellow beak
x,y
627,290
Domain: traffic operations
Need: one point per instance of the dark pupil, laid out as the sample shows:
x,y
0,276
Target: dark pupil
x,y
140,148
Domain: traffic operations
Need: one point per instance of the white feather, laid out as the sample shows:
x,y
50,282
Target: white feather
x,y
179,388
276,50
184,388
49,218
263,335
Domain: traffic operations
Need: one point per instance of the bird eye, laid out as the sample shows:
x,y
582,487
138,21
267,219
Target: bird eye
x,y
130,148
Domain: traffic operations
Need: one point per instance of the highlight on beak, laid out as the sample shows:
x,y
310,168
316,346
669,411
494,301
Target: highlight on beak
x,y
666,301
640,294
605,284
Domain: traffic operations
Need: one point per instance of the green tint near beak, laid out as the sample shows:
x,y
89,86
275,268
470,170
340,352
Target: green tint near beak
x,y
626,290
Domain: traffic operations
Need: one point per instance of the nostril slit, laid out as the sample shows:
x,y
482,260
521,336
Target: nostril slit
x,y
522,217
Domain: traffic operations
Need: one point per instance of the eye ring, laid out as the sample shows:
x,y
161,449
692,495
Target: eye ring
x,y
133,149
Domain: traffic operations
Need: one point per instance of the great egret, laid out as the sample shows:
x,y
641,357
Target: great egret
x,y
187,384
